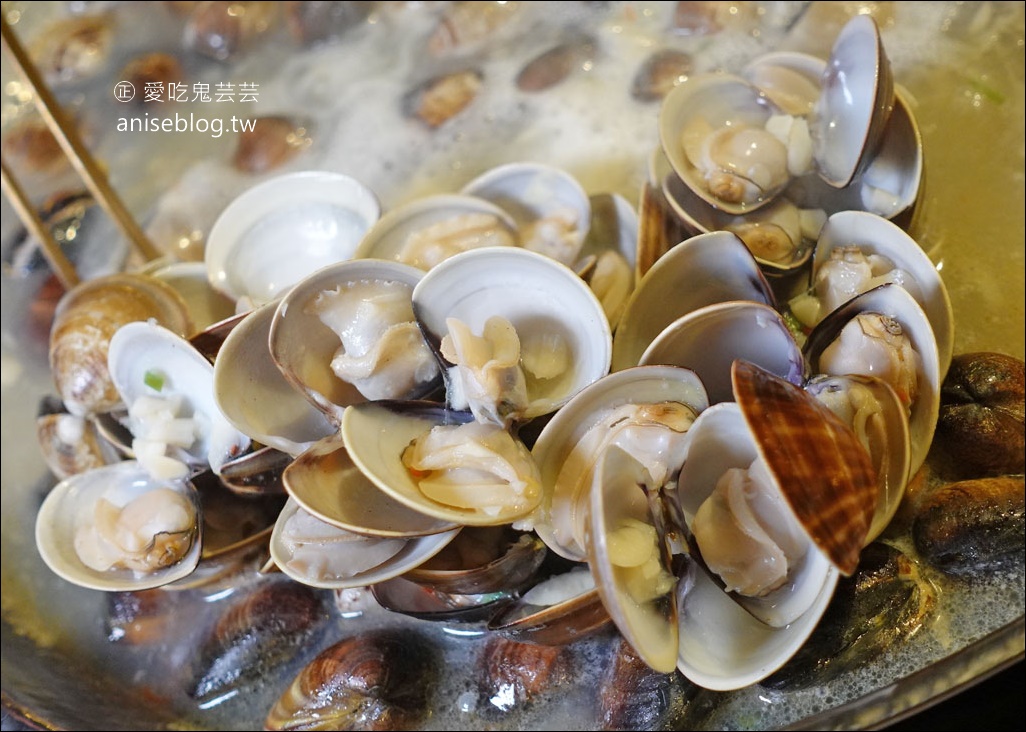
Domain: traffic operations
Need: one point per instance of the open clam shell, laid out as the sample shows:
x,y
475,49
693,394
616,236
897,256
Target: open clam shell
x,y
143,354
855,102
708,340
875,235
561,517
705,269
629,554
326,482
253,394
873,410
790,79
378,433
320,555
71,507
895,303
693,111
545,302
383,355
285,228
551,210
206,305
428,230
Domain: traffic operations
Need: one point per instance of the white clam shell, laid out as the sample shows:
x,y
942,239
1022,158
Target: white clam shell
x,y
141,347
415,552
533,192
285,228
536,294
895,302
722,646
875,235
700,271
72,501
709,339
856,99
303,346
388,237
377,433
253,394
790,79
326,483
557,440
722,100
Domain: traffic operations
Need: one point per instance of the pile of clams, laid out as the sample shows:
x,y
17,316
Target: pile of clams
x,y
478,379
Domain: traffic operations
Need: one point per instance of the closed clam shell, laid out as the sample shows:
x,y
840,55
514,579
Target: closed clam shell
x,y
255,396
372,681
512,673
85,321
567,620
824,473
702,270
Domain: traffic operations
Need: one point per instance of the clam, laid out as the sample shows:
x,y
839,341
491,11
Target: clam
x,y
708,340
271,142
857,251
511,673
659,73
326,483
221,30
404,596
253,635
855,102
482,560
426,231
656,402
346,333
285,228
609,254
551,211
713,130
702,270
442,463
254,395
561,609
437,100
86,319
168,387
75,48
117,528
520,333
813,487
321,555
556,64
875,413
885,333
70,444
375,680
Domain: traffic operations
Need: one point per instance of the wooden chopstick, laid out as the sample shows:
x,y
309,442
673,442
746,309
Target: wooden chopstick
x,y
70,142
62,267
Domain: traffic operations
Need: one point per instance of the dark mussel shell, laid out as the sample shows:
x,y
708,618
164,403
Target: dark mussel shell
x,y
884,602
513,673
973,526
374,681
256,633
634,696
982,413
